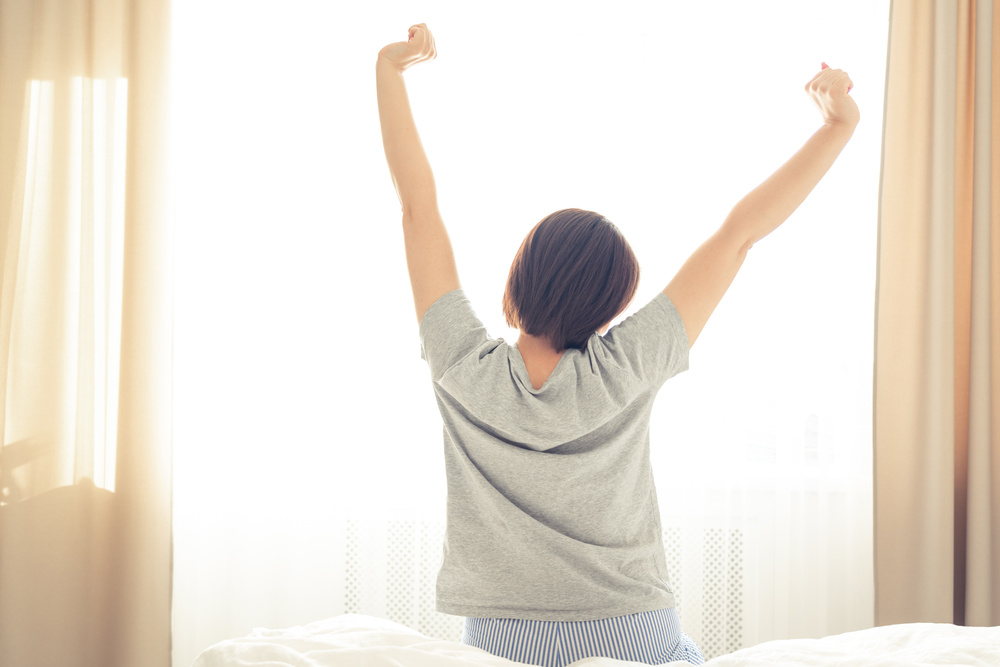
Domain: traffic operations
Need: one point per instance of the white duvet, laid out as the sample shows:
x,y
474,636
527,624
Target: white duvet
x,y
365,641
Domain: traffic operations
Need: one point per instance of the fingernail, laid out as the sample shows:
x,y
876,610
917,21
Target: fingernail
x,y
824,66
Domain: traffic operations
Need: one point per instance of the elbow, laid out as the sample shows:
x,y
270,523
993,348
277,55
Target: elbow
x,y
737,234
417,209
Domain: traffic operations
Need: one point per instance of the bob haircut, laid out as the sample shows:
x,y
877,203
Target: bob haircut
x,y
573,273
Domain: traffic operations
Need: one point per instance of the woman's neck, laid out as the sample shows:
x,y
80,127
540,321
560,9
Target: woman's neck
x,y
539,357
541,346
536,346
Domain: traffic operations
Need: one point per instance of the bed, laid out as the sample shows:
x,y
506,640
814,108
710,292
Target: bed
x,y
365,641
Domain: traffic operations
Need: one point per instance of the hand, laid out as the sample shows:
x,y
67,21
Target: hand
x,y
418,47
829,90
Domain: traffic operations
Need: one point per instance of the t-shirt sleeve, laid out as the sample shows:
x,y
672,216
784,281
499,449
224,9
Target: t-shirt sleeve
x,y
449,331
652,342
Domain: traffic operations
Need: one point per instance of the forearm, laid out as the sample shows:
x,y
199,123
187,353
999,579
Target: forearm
x,y
408,165
767,206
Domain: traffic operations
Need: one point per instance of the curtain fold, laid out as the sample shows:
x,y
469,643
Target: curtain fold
x,y
936,403
85,333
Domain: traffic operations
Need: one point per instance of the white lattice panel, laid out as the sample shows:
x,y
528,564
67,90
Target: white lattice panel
x,y
397,582
392,567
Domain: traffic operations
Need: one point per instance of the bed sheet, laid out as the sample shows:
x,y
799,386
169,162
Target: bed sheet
x,y
904,645
357,640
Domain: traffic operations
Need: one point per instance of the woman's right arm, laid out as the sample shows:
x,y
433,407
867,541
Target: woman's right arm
x,y
704,278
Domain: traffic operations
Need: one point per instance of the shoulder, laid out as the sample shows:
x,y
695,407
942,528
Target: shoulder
x,y
451,330
452,301
651,343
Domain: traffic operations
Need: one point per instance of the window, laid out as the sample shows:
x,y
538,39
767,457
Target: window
x,y
301,399
63,281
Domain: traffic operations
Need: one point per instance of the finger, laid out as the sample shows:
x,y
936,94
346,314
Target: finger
x,y
825,78
812,81
424,39
821,77
823,66
830,78
431,44
841,79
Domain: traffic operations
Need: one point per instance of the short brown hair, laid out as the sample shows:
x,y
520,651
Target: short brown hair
x,y
573,273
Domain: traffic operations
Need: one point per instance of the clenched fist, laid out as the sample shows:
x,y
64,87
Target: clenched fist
x,y
829,90
418,47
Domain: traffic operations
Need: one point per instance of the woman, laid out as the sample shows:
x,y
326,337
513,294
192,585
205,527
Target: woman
x,y
553,550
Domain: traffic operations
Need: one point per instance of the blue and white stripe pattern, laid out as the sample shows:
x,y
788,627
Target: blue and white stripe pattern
x,y
652,637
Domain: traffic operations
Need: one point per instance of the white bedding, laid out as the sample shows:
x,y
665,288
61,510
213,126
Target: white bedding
x,y
909,644
366,641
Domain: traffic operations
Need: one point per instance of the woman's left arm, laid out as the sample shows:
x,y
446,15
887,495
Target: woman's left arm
x,y
429,255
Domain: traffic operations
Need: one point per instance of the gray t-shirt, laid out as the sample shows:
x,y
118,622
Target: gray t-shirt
x,y
551,512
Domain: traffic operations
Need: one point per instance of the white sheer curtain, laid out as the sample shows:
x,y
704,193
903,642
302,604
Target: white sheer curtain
x,y
308,455
85,333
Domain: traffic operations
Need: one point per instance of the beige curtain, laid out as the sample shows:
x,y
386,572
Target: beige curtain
x,y
937,357
85,333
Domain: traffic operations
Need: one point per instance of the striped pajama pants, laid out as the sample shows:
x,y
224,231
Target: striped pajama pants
x,y
652,637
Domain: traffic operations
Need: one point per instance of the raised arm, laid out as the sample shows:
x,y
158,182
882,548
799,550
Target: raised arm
x,y
704,278
429,255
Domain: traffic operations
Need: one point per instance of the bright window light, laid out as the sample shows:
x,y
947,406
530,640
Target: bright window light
x,y
71,229
300,394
